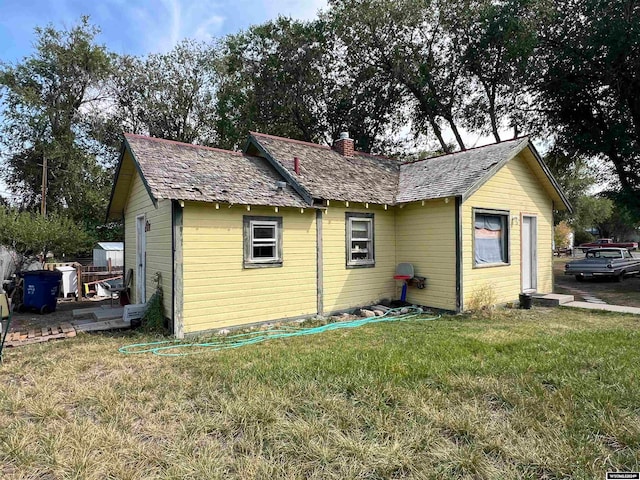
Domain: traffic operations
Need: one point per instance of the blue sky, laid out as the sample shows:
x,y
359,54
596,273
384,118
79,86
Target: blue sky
x,y
140,26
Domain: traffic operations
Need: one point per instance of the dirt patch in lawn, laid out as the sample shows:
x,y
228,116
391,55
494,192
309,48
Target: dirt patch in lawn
x,y
626,292
63,314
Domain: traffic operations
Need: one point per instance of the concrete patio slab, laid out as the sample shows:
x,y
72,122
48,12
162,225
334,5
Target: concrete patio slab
x,y
606,307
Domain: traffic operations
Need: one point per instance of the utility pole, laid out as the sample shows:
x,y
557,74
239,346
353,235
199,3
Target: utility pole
x,y
43,203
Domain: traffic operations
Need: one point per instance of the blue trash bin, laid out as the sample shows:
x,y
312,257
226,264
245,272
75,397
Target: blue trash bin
x,y
41,289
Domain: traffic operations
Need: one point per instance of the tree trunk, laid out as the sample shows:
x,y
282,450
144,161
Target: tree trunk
x,y
454,128
491,96
623,175
438,133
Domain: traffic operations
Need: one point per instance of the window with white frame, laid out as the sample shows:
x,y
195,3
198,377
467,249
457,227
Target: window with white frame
x,y
360,240
262,241
490,237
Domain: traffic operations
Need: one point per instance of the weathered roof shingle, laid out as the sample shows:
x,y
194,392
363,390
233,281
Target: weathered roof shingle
x,y
326,174
454,174
180,171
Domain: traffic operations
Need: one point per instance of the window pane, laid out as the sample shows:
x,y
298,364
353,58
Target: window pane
x,y
359,255
490,239
264,231
359,245
262,238
359,229
264,251
361,250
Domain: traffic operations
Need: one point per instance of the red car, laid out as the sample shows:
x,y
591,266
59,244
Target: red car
x,y
607,242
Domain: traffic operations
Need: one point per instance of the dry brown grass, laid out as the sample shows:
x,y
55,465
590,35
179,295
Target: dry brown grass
x,y
482,301
626,292
527,394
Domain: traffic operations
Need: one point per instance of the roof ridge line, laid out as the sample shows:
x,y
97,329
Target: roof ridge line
x,y
292,140
184,144
325,147
384,157
522,137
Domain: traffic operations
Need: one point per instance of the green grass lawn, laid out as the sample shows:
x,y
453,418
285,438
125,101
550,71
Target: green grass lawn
x,y
546,393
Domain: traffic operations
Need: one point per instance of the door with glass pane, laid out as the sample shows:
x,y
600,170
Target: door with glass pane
x,y
529,254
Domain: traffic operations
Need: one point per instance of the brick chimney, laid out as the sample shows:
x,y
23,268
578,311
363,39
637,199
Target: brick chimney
x,y
344,145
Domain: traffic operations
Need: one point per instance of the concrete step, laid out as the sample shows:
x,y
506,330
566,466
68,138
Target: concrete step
x,y
101,314
83,312
551,299
88,312
114,324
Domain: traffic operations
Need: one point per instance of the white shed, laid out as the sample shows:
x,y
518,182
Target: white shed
x,y
104,251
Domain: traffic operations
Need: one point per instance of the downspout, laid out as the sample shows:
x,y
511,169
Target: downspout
x,y
319,263
458,233
173,268
553,243
177,269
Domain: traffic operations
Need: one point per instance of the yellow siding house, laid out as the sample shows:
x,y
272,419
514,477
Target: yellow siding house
x,y
288,229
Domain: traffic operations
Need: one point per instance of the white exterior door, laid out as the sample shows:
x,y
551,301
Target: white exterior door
x,y
141,254
529,254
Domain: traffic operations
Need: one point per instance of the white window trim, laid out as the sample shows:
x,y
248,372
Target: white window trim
x,y
263,241
359,217
249,222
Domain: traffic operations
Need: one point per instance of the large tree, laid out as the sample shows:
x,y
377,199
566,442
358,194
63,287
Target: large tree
x,y
575,174
47,102
496,42
405,42
589,64
169,95
292,78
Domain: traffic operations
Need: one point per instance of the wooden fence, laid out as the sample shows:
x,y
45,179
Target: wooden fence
x,y
88,275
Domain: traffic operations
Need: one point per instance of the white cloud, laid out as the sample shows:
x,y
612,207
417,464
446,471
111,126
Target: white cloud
x,y
145,26
300,9
161,25
209,28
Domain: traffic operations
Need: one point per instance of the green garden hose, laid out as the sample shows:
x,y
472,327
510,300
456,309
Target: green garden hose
x,y
178,348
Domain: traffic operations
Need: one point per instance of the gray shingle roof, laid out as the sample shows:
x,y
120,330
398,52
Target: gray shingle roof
x,y
454,174
180,171
326,174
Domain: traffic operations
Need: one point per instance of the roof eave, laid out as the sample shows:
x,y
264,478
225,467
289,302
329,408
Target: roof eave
x,y
300,190
493,170
551,178
517,150
250,204
126,146
109,216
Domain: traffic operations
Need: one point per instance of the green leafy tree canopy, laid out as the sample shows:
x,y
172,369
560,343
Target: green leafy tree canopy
x,y
48,99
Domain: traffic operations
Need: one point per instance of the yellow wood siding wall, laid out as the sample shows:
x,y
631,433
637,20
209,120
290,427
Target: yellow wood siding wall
x,y
158,242
219,292
426,238
347,288
515,188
